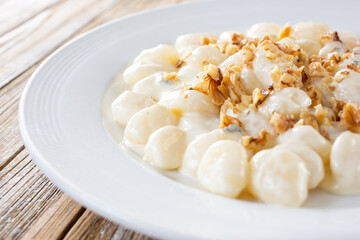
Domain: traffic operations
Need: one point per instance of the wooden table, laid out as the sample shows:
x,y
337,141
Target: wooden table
x,y
32,207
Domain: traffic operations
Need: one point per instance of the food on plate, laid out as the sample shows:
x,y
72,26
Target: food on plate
x,y
273,112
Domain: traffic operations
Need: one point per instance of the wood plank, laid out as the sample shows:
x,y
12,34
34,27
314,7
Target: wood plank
x,y
16,12
23,198
91,226
30,42
10,139
57,220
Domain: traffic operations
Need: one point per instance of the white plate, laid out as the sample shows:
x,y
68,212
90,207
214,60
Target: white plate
x,y
62,126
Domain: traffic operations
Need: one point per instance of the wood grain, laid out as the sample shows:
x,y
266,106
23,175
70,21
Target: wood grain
x,y
31,207
28,43
16,12
57,220
91,226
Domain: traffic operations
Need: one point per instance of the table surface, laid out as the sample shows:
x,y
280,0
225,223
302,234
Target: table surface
x,y
32,207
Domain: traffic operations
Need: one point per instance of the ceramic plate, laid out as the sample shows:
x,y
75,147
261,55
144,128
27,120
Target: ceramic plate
x,y
61,122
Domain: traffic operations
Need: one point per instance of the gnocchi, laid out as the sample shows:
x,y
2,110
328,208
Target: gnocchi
x,y
279,176
273,112
166,147
344,168
129,103
224,168
197,148
146,121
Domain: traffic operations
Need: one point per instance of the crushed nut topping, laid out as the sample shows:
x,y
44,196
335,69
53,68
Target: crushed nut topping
x,y
208,40
259,95
285,32
170,76
317,75
309,119
254,144
281,123
353,67
330,37
350,117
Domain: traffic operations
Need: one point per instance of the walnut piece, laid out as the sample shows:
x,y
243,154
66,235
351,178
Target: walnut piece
x,y
255,144
350,117
259,96
281,123
170,76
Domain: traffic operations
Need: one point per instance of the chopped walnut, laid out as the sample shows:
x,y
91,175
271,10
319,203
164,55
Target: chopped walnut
x,y
231,85
226,120
324,116
341,76
353,67
227,48
209,86
238,39
170,76
331,37
208,40
259,95
316,69
255,144
309,119
314,93
350,117
288,78
214,72
220,84
285,32
281,123
337,105
228,104
331,63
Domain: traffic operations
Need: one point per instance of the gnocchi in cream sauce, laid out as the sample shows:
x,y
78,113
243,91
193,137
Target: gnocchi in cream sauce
x,y
272,112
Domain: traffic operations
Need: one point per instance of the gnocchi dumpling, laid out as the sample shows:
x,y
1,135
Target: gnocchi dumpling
x,y
287,101
279,177
237,59
193,39
344,172
166,147
196,124
311,47
205,55
197,148
143,123
156,86
310,30
224,168
138,71
161,52
313,162
333,46
129,103
348,89
189,101
350,40
259,30
308,136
